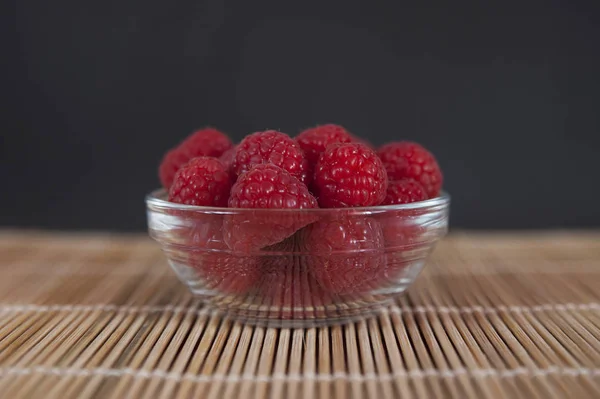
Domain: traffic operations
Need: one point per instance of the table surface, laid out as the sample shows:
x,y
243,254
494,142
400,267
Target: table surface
x,y
493,315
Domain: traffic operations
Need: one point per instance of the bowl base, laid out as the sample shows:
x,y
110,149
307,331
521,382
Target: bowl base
x,y
290,318
297,317
297,301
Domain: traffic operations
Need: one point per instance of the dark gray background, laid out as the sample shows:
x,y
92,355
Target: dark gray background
x,y
506,94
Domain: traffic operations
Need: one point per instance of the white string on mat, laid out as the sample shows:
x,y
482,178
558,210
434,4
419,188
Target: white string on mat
x,y
103,308
569,307
232,378
593,306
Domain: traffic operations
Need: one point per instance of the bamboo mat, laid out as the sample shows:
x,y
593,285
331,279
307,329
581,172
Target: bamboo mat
x,y
493,315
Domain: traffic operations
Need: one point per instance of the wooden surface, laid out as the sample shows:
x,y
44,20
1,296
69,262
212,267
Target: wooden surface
x,y
492,316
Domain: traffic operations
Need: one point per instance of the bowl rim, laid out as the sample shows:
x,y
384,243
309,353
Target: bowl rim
x,y
156,199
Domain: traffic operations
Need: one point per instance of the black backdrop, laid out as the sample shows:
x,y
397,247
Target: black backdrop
x,y
506,94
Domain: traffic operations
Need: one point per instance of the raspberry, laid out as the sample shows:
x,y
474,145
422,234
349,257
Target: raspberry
x,y
269,186
204,142
349,175
212,260
229,273
170,164
271,147
404,191
401,232
346,254
227,159
315,140
405,159
405,239
203,181
266,186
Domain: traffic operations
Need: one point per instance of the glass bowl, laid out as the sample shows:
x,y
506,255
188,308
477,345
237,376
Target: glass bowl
x,y
297,267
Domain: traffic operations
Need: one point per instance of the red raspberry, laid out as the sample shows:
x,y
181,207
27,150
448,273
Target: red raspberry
x,y
271,147
226,272
315,140
212,260
204,142
405,159
203,181
228,157
266,186
349,175
401,232
405,239
346,254
170,164
404,191
269,186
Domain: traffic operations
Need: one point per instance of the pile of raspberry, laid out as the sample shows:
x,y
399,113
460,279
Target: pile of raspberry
x,y
322,167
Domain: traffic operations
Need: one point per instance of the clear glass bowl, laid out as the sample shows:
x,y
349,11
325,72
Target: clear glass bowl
x,y
293,267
